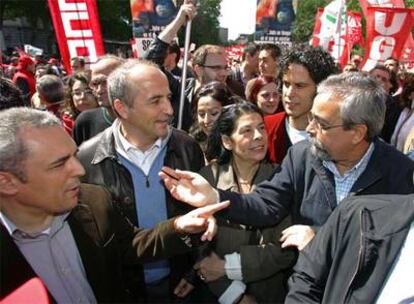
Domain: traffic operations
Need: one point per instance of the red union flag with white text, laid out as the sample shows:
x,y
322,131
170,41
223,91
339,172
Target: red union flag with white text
x,y
77,28
407,54
387,31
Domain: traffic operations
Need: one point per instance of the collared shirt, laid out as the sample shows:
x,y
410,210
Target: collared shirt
x,y
142,159
343,184
295,135
398,287
55,258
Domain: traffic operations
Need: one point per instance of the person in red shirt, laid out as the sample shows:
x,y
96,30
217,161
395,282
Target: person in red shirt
x,y
24,78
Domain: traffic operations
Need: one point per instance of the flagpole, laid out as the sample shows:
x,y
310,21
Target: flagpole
x,y
339,30
184,73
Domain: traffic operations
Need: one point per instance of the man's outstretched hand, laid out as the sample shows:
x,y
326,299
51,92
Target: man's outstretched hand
x,y
200,220
189,187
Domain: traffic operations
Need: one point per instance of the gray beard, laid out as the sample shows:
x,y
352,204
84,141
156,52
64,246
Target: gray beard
x,y
318,150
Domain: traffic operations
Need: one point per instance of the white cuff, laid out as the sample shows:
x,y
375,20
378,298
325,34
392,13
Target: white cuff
x,y
232,293
233,266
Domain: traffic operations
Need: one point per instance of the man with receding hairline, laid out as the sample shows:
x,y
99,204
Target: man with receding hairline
x,y
127,156
64,233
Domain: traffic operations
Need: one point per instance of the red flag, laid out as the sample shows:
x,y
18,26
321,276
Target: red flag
x,y
380,3
407,54
348,38
77,28
387,31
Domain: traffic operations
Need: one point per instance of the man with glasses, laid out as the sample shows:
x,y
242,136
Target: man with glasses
x,y
209,62
342,158
94,121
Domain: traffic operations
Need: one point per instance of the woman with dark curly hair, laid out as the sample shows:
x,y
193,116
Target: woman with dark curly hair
x,y
208,102
79,96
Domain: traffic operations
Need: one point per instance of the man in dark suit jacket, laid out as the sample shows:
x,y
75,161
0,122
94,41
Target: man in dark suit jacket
x,y
66,234
343,158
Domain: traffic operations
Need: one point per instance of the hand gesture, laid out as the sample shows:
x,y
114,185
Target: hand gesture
x,y
200,220
189,187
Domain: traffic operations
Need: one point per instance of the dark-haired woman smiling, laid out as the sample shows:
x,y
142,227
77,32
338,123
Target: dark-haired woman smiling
x,y
245,263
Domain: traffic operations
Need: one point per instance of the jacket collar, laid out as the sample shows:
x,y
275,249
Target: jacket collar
x,y
226,177
327,180
380,228
372,172
106,145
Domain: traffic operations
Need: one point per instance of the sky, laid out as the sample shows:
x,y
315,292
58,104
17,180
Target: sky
x,y
238,16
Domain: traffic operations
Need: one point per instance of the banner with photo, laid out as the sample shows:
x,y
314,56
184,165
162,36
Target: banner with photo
x,y
387,31
274,21
149,18
77,29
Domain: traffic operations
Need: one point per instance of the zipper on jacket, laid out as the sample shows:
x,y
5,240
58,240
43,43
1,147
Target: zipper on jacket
x,y
360,258
147,183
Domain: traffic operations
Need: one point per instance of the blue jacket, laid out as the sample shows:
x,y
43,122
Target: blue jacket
x,y
305,189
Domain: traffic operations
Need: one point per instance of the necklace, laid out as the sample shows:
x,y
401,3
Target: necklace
x,y
244,185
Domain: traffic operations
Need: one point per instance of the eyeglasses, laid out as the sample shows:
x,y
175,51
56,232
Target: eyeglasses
x,y
320,125
217,67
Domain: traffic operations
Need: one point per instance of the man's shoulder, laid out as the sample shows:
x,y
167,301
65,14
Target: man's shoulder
x,y
180,136
87,115
88,147
274,120
301,149
94,195
393,156
386,206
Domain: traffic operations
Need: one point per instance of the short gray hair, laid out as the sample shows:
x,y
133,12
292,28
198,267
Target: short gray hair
x,y
119,85
13,150
363,100
51,88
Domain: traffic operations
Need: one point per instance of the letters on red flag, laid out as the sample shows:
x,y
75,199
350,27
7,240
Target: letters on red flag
x,y
387,31
380,3
77,28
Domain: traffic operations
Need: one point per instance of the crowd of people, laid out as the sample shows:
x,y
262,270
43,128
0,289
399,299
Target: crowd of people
x,y
105,200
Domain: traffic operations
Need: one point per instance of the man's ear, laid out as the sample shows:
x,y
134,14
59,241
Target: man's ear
x,y
8,183
360,133
198,70
121,108
226,142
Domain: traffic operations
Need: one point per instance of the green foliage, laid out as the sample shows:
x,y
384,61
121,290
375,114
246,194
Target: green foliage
x,y
115,19
305,19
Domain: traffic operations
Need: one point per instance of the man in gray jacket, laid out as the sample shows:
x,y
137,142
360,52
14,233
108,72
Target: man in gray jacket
x,y
363,254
